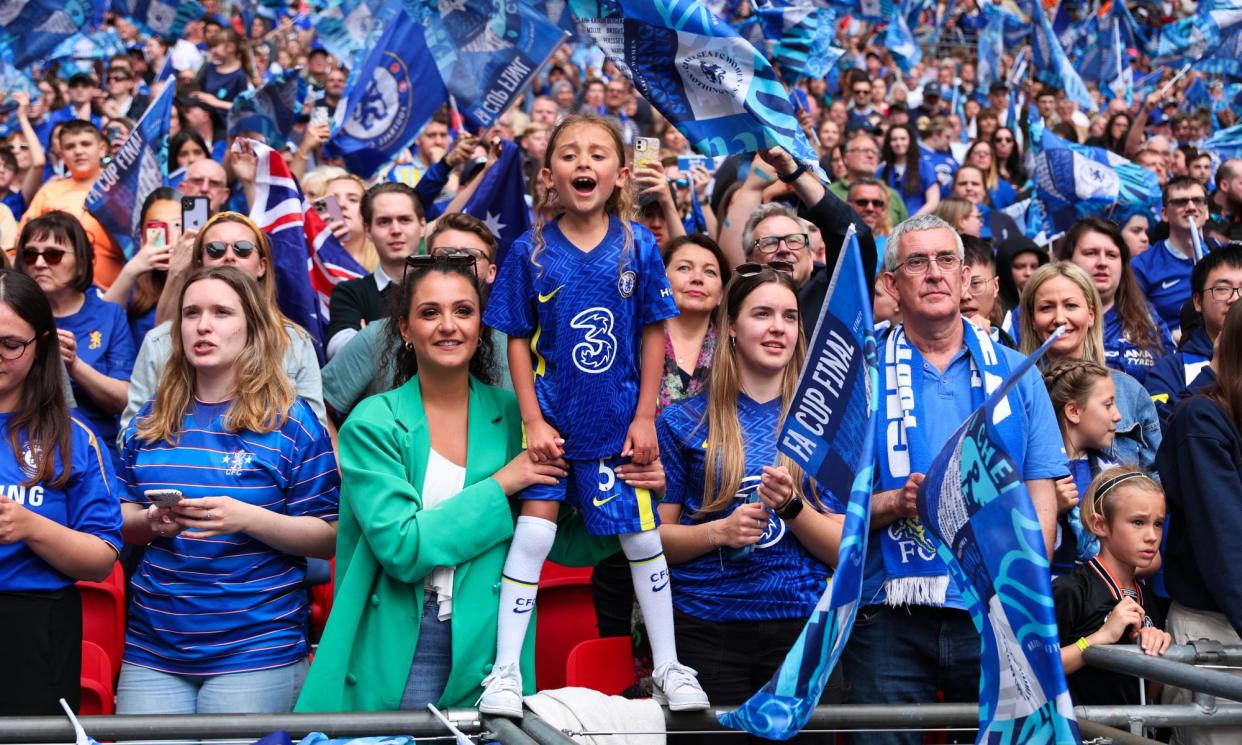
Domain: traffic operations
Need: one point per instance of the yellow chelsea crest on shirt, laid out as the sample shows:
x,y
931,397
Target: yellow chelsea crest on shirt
x,y
96,339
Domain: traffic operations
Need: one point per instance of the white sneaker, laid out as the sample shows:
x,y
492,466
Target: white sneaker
x,y
502,692
677,688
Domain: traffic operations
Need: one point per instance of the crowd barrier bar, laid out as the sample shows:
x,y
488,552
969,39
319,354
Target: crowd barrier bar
x,y
1129,659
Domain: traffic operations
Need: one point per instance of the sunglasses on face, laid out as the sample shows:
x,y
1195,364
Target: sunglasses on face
x,y
1186,201
865,203
460,260
680,183
51,256
750,268
241,249
446,252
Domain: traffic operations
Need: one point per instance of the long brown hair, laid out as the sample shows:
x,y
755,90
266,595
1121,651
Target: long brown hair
x,y
1136,321
42,415
262,393
1227,390
725,460
620,202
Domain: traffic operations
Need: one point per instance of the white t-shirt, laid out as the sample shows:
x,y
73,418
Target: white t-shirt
x,y
444,479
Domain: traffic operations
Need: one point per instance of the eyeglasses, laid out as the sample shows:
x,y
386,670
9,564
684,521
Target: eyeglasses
x,y
864,150
1180,202
865,203
456,260
51,256
123,78
919,263
1225,293
12,348
751,268
203,182
449,252
862,91
241,249
980,285
794,242
19,148
1002,139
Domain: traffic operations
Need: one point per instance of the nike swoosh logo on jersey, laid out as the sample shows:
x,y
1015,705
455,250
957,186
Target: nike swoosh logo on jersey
x,y
1165,284
601,502
545,298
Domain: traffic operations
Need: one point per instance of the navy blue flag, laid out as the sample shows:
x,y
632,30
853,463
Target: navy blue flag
x,y
1075,181
1225,59
1050,63
557,11
487,52
79,52
388,98
271,109
136,170
975,503
166,19
31,29
830,433
700,74
499,201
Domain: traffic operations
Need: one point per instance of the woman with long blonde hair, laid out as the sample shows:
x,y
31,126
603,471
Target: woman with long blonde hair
x,y
231,483
749,543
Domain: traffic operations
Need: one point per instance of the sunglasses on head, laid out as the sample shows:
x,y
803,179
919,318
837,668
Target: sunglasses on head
x,y
751,268
241,249
457,260
51,256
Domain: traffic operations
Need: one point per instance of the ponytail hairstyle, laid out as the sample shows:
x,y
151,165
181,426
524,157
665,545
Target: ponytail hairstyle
x,y
620,202
42,415
1071,381
725,460
1100,501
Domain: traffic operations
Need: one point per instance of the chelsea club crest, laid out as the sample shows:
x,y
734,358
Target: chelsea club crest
x,y
625,285
384,109
30,463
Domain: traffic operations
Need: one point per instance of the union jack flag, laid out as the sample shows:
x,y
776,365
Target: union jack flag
x,y
307,259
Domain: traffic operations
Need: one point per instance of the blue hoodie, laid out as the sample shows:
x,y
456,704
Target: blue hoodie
x,y
1180,375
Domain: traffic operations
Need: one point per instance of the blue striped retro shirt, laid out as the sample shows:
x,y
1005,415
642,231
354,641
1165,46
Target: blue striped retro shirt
x,y
206,606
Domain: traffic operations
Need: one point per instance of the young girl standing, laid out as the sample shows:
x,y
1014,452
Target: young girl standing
x,y
1102,601
1085,401
583,301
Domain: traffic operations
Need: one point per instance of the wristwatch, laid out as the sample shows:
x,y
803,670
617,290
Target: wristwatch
x,y
791,509
792,177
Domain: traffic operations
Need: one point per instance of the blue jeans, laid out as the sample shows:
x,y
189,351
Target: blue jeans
x,y
903,656
273,691
433,659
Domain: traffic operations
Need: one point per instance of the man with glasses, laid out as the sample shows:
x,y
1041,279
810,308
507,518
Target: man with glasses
x,y
869,198
1163,271
862,160
393,215
82,148
122,98
1216,284
913,635
207,178
861,108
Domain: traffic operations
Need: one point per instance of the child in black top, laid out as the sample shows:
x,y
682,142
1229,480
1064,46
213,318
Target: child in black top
x,y
1101,601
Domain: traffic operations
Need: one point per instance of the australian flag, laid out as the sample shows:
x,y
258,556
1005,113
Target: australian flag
x,y
31,29
271,109
136,170
700,74
499,200
1075,181
487,51
307,259
388,98
976,504
830,433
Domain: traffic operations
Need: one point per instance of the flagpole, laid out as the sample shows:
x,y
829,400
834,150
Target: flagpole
x,y
1177,77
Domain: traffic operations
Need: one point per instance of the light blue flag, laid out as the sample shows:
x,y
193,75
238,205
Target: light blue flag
x,y
1192,38
1105,60
557,11
388,98
1226,58
801,39
975,502
137,169
991,45
900,41
1227,143
271,109
694,68
487,52
1050,64
1075,181
830,433
31,29
344,26
166,19
1197,95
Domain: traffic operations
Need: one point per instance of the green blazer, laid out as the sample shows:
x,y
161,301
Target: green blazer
x,y
387,544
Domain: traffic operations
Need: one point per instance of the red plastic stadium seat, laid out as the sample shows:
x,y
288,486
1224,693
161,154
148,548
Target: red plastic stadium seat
x,y
605,665
98,696
103,616
321,605
566,617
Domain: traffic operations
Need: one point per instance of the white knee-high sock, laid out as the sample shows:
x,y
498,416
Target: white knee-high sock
x,y
649,570
532,540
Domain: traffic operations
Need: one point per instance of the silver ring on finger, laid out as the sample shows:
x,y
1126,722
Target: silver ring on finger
x,y
758,524
208,514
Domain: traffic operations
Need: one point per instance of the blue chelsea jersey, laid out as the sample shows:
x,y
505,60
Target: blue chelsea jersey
x,y
1122,354
779,579
584,313
1165,280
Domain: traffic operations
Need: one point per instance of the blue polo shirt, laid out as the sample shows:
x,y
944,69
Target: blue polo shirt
x,y
948,395
1164,276
106,343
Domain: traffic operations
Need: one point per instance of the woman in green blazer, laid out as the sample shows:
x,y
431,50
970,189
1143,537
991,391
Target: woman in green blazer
x,y
426,515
